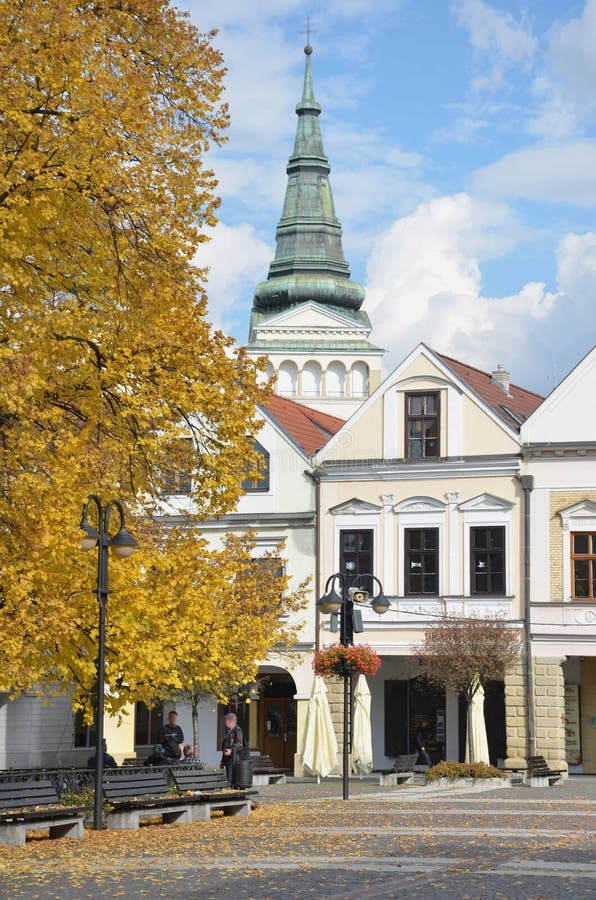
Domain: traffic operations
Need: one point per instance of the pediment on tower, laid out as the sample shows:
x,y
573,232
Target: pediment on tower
x,y
308,316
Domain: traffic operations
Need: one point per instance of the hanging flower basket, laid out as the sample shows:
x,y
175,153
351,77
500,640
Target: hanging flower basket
x,y
340,661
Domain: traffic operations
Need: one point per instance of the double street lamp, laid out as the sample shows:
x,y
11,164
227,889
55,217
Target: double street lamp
x,y
345,605
122,544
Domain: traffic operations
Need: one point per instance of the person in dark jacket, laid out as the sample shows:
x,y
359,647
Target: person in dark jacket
x,y
231,744
108,761
171,737
422,741
158,757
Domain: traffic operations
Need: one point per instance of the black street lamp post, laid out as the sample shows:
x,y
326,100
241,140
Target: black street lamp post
x,y
122,545
350,621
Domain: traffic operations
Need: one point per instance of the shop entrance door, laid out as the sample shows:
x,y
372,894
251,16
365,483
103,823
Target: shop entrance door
x,y
279,731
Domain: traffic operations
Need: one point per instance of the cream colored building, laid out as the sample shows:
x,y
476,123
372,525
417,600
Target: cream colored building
x,y
559,453
421,488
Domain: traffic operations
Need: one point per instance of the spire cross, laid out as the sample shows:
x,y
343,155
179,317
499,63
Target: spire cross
x,y
310,29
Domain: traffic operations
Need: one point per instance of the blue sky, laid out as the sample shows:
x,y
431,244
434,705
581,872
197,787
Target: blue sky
x,y
462,141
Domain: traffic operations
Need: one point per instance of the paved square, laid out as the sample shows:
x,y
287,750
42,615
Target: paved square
x,y
304,842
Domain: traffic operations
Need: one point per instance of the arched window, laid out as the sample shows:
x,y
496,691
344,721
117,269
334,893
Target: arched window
x,y
267,375
311,379
287,379
359,380
336,380
252,483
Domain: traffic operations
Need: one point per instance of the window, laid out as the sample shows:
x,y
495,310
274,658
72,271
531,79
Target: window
x,y
422,561
487,560
287,379
84,734
359,387
583,565
356,556
422,426
177,479
312,378
147,723
336,380
251,484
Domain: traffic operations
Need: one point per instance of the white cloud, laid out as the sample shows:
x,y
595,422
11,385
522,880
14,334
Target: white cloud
x,y
555,117
237,259
564,173
571,54
424,283
499,41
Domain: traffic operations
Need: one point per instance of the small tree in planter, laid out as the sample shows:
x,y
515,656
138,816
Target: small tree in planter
x,y
463,654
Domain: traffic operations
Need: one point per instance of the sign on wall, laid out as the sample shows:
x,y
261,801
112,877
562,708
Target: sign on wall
x,y
573,740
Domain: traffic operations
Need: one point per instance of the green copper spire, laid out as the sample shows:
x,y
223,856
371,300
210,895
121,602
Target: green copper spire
x,y
309,261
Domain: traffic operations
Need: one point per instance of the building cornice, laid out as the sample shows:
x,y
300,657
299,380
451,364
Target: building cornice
x,y
409,470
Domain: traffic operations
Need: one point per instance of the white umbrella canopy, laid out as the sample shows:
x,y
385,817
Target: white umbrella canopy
x,y
319,747
362,756
479,741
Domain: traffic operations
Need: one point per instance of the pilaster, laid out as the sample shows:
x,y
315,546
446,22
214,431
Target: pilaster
x,y
549,704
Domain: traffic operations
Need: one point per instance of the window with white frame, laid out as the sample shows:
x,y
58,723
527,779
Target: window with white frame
x,y
487,546
487,560
583,565
579,551
421,552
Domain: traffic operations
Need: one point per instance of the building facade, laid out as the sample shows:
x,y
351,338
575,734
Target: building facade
x,y
421,488
559,454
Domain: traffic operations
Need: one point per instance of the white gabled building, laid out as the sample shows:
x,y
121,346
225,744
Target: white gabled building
x,y
421,489
559,453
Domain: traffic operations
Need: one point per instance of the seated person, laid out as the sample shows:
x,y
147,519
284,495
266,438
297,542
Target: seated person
x,y
108,761
188,757
158,757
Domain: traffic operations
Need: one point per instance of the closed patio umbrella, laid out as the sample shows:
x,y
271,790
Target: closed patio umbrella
x,y
479,741
362,757
319,747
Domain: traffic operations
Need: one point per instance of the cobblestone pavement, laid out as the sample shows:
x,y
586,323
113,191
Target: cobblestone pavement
x,y
304,842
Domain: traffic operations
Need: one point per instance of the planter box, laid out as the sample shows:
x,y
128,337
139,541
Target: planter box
x,y
477,784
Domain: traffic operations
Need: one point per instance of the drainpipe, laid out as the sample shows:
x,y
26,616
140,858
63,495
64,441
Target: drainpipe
x,y
527,483
317,483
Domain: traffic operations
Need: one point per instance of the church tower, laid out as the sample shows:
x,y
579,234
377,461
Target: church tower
x,y
306,317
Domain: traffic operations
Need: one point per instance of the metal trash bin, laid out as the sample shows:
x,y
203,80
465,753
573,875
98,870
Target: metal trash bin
x,y
243,773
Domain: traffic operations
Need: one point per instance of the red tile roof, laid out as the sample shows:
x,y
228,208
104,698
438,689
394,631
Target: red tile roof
x,y
519,401
310,428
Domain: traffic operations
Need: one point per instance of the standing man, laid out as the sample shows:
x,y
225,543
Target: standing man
x,y
231,743
171,737
421,742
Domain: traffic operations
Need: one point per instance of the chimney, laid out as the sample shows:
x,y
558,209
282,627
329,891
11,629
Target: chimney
x,y
501,377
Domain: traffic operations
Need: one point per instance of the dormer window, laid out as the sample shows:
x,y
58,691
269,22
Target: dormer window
x,y
422,425
251,483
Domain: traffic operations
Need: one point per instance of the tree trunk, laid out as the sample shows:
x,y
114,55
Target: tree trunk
x,y
195,728
470,731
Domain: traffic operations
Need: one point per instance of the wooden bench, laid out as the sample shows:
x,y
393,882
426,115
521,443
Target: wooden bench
x,y
20,803
402,771
264,772
134,795
539,774
210,790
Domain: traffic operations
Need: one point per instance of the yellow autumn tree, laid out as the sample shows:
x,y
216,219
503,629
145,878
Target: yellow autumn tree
x,y
108,365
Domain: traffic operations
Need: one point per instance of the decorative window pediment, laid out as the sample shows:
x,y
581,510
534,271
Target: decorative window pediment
x,y
585,509
486,503
420,505
355,507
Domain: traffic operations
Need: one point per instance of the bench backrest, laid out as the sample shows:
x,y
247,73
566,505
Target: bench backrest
x,y
126,785
19,794
405,763
200,780
536,763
